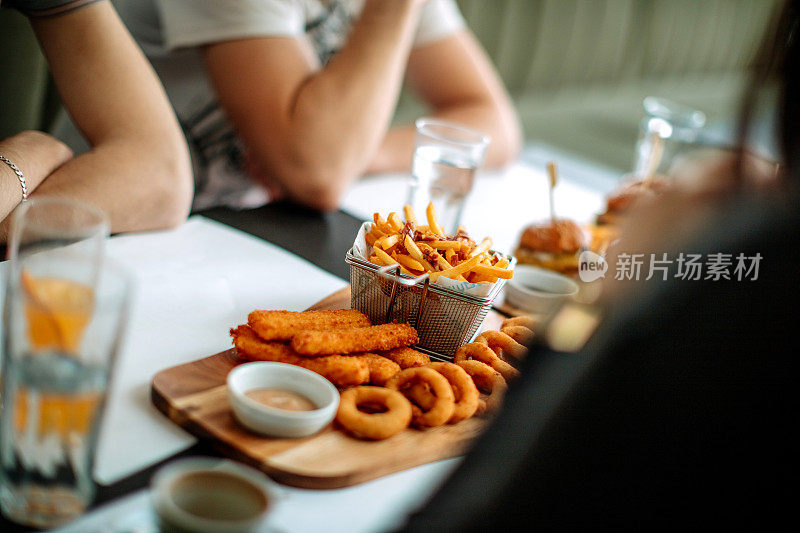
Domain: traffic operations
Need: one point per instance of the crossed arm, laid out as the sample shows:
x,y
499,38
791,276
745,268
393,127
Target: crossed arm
x,y
311,131
37,155
138,170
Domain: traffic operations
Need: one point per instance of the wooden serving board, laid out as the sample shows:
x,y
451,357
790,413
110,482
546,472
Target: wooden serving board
x,y
194,396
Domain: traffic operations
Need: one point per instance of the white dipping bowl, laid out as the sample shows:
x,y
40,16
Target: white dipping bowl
x,y
276,422
538,290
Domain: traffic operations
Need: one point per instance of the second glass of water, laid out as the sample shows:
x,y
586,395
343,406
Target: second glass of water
x,y
446,156
667,131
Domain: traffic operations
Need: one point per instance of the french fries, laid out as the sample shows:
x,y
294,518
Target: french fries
x,y
409,214
482,247
495,271
432,222
426,249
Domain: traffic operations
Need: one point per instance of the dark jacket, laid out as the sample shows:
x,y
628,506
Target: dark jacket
x,y
678,412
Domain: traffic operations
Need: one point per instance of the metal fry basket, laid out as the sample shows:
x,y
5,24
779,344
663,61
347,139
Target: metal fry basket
x,y
445,319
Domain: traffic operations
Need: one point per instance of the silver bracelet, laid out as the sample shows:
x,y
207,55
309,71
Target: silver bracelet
x,y
19,174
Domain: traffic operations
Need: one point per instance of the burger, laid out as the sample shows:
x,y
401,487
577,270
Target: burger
x,y
554,245
618,204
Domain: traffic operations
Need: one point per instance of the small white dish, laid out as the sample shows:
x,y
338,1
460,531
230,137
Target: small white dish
x,y
538,290
206,495
276,422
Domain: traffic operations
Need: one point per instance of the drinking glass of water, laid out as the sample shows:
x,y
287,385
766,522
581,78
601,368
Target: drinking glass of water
x,y
446,156
667,131
64,311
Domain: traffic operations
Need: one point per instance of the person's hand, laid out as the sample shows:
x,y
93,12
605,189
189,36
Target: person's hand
x,y
37,155
266,179
35,152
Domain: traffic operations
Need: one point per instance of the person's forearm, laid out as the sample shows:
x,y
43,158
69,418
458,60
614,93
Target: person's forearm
x,y
138,170
341,113
131,202
37,155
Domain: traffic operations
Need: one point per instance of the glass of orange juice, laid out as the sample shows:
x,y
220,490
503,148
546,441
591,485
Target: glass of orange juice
x,y
64,313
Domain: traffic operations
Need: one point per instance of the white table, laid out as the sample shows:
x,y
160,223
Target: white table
x,y
375,506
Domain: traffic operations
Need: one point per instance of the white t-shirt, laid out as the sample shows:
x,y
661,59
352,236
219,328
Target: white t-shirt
x,y
170,33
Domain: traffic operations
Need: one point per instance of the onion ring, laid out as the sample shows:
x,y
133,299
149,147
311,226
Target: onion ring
x,y
520,334
523,320
420,394
488,380
481,352
441,409
464,390
498,339
375,426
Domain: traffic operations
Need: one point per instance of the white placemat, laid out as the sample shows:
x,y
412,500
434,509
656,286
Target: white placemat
x,y
192,284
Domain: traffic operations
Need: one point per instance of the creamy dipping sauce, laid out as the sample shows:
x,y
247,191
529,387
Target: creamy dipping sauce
x,y
281,399
218,496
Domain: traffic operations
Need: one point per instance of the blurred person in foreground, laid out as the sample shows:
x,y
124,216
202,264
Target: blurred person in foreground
x,y
137,169
294,98
677,412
